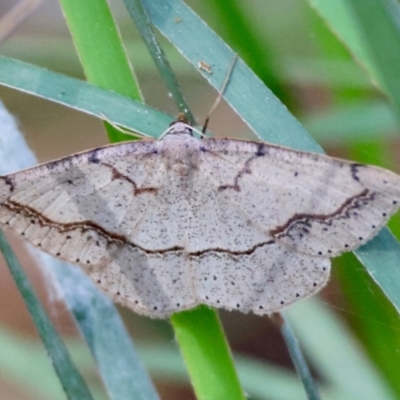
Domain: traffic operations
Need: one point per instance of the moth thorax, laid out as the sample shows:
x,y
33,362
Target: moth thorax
x,y
180,128
181,154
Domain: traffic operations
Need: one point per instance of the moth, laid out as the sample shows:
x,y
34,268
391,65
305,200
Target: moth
x,y
162,226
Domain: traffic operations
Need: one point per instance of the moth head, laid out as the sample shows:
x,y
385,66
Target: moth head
x,y
180,126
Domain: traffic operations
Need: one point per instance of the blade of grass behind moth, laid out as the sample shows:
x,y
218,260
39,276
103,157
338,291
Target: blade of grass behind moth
x,y
297,357
82,96
207,355
143,25
262,111
100,49
70,378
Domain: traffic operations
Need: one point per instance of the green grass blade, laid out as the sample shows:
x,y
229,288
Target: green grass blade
x,y
99,46
70,378
298,359
82,96
381,258
100,50
143,25
262,111
206,354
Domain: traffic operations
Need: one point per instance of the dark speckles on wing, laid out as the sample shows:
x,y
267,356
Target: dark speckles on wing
x,y
261,150
354,171
93,157
10,182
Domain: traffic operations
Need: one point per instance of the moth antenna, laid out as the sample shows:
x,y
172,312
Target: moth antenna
x,y
220,94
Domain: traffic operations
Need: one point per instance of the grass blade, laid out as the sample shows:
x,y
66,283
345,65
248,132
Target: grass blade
x,y
206,353
298,359
101,51
143,25
82,96
70,378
